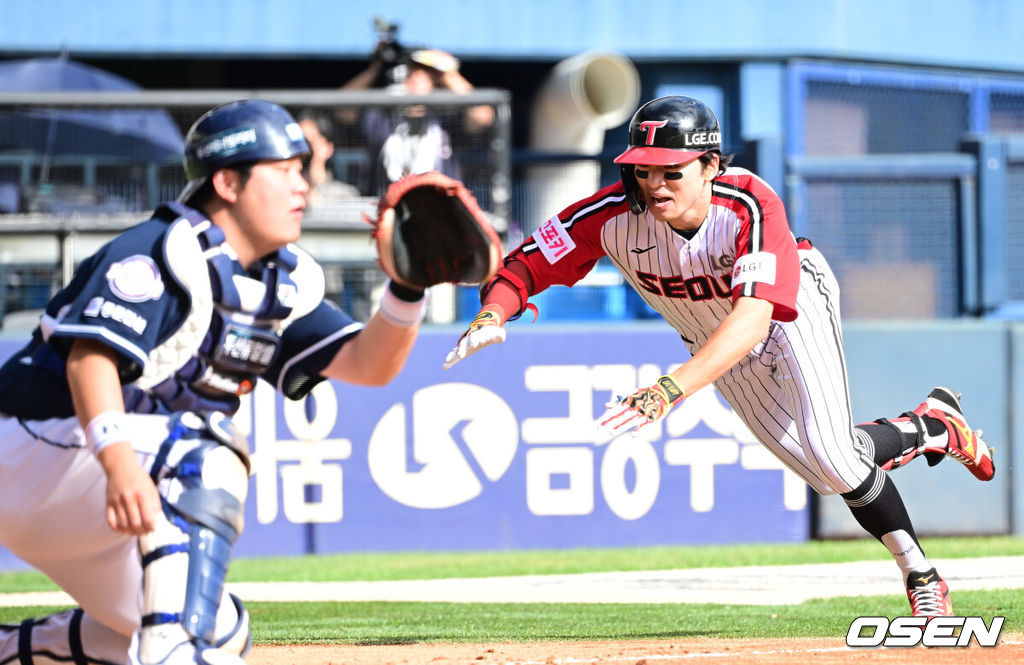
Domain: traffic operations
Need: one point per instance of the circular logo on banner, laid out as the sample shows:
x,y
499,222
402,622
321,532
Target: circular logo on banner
x,y
461,434
135,279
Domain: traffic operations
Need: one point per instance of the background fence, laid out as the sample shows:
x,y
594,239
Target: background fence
x,y
910,181
906,178
65,196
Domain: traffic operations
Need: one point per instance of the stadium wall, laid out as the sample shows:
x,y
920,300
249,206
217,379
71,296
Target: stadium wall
x,y
500,452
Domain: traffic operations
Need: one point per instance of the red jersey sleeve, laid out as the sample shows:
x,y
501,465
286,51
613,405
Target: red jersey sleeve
x,y
766,264
566,247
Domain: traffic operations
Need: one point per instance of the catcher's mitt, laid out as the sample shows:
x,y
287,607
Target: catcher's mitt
x,y
430,230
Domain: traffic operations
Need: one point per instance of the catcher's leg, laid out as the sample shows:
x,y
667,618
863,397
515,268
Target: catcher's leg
x,y
202,473
52,499
71,636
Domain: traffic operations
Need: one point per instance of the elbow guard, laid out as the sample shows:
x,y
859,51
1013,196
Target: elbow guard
x,y
519,288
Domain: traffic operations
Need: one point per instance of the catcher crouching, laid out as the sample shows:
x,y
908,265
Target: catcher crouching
x,y
124,480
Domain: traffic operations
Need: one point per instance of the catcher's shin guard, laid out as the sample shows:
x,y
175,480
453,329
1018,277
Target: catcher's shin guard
x,y
201,471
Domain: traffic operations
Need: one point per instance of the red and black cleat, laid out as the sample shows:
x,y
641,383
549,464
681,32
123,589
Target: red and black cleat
x,y
965,445
928,594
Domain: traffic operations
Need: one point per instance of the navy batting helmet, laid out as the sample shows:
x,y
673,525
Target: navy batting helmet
x,y
248,130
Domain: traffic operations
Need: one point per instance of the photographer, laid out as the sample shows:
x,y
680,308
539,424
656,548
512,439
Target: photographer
x,y
414,139
386,62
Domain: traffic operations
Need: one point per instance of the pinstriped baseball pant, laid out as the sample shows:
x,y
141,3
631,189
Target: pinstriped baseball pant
x,y
792,390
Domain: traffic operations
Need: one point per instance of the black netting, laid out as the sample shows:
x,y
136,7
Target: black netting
x,y
105,167
26,288
1006,112
892,244
1014,229
861,119
67,160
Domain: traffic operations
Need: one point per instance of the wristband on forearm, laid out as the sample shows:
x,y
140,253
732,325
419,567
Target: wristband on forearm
x,y
105,429
399,311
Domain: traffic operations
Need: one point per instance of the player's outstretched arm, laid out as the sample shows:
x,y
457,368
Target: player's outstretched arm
x,y
485,330
504,297
739,332
379,351
745,326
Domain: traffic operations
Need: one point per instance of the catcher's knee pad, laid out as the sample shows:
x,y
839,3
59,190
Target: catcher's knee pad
x,y
201,471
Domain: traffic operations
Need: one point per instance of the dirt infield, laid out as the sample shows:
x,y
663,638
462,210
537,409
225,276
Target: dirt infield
x,y
668,652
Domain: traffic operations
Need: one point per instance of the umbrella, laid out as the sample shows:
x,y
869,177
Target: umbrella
x,y
139,135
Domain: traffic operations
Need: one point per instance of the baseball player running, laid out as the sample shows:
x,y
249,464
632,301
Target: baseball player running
x,y
709,247
114,438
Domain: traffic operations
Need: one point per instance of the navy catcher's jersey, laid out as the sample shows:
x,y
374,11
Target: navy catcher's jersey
x,y
128,296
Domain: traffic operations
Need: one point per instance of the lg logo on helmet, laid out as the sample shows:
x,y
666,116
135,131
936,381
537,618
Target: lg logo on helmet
x,y
701,138
690,139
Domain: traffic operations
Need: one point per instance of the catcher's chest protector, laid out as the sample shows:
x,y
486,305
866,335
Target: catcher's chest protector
x,y
232,330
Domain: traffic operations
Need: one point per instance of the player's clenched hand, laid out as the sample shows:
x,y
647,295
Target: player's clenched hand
x,y
645,406
486,329
132,498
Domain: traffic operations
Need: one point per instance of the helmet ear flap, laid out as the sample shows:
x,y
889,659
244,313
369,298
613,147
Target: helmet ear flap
x,y
632,188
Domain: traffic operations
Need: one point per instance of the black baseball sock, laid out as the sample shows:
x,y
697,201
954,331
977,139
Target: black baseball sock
x,y
888,440
878,507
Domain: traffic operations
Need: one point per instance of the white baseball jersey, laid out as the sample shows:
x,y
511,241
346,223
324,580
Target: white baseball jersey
x,y
791,389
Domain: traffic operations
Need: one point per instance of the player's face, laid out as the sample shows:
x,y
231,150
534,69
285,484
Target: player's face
x,y
270,206
679,194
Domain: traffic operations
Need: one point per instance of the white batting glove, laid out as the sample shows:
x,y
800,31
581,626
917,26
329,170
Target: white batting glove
x,y
619,416
484,331
645,406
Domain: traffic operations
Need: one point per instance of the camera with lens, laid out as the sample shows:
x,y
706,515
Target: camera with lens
x,y
389,51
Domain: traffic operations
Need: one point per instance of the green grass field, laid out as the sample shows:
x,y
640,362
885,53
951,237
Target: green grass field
x,y
403,622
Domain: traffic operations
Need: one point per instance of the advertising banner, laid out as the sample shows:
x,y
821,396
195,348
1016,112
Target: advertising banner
x,y
502,451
